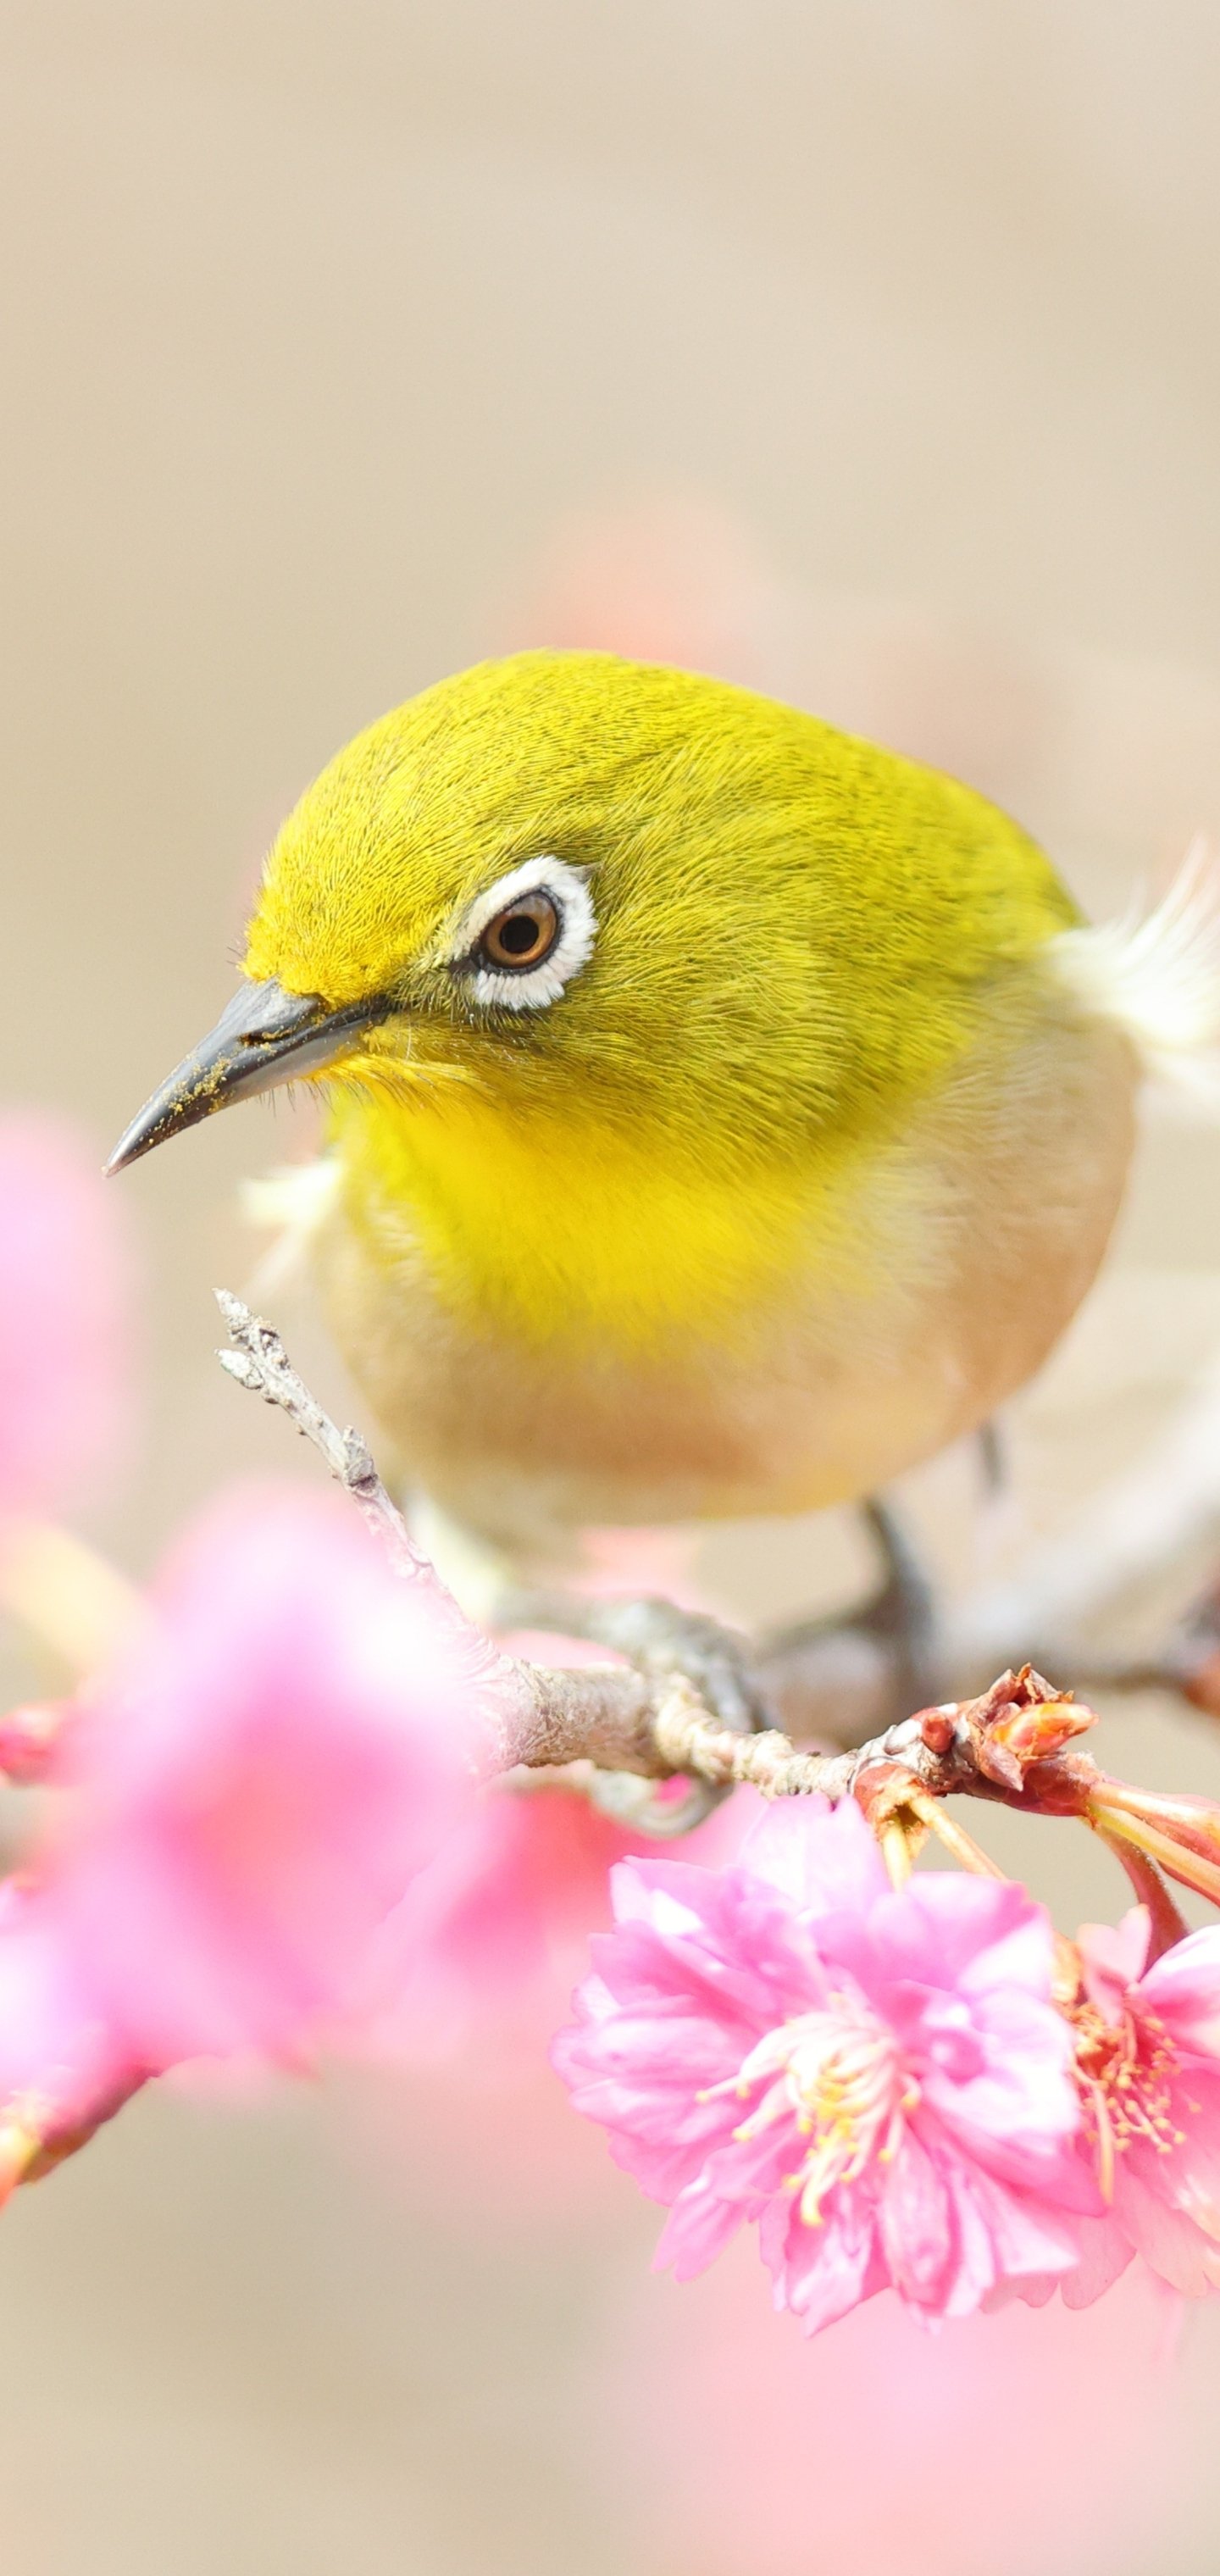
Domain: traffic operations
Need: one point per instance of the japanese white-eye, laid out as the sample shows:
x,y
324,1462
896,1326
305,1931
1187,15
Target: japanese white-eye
x,y
723,1113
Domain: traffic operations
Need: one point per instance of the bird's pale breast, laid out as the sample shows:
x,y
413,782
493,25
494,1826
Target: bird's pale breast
x,y
913,1296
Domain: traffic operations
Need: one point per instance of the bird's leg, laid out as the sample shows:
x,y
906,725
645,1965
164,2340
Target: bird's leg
x,y
658,1638
903,1609
992,1449
843,1677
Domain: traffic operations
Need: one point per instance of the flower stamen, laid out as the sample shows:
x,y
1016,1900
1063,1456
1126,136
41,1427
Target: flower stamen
x,y
1125,2073
838,2077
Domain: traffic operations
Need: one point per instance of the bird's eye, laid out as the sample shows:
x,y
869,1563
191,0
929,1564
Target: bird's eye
x,y
523,934
518,945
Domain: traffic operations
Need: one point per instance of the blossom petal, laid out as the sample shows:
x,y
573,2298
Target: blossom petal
x,y
880,2079
821,1859
1183,1989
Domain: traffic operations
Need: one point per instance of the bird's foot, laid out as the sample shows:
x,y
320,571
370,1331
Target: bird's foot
x,y
658,1638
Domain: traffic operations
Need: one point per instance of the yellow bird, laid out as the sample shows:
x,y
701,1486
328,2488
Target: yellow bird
x,y
724,1114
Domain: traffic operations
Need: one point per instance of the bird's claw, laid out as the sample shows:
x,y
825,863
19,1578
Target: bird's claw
x,y
642,1807
658,1638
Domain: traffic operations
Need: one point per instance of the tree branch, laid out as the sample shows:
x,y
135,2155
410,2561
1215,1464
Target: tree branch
x,y
1012,1742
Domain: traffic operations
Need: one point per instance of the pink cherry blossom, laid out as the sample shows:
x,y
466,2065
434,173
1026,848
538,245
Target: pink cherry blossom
x,y
1148,2066
64,1280
282,1747
485,1948
878,2077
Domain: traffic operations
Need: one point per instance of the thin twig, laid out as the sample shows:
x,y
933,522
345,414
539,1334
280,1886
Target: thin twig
x,y
260,1362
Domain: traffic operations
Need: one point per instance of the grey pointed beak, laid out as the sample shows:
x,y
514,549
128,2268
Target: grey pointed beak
x,y
266,1036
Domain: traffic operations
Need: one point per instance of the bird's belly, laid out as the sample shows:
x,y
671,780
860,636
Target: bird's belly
x,y
984,1227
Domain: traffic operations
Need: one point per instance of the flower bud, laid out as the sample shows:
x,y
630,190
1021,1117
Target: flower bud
x,y
1021,1720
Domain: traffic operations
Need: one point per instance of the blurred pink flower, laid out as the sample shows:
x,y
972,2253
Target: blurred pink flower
x,y
478,1949
1018,2443
64,1283
34,1739
486,1946
1148,2066
63,2067
468,1982
284,1744
483,1954
878,2077
670,580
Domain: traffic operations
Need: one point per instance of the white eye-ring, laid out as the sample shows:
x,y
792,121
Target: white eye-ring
x,y
520,943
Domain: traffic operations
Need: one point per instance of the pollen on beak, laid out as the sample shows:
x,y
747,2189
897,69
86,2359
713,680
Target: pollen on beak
x,y
266,1036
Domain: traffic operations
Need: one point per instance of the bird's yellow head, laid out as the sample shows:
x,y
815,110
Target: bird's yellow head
x,y
546,875
570,915
564,873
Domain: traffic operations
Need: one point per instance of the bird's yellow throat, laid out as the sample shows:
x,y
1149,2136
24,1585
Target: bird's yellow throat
x,y
557,1226
563,1226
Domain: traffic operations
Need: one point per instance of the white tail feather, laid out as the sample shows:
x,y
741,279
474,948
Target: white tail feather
x,y
1156,975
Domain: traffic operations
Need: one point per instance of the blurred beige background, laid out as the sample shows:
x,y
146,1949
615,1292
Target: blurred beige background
x,y
869,351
